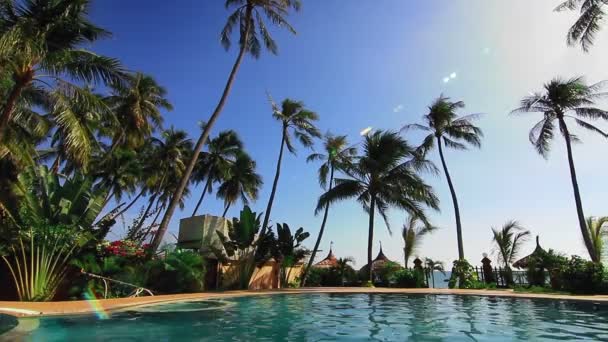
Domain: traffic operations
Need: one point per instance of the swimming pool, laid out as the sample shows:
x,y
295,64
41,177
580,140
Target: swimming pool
x,y
329,317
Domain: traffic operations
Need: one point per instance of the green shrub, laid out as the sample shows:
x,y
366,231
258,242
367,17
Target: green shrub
x,y
180,271
582,276
406,278
463,275
383,274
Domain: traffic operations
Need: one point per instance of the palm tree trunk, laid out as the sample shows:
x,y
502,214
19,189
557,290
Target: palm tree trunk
x,y
130,204
316,248
203,138
13,97
454,201
226,210
577,195
433,277
56,164
405,257
370,236
200,200
274,183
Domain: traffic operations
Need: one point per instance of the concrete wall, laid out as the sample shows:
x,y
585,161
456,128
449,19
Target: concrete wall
x,y
263,278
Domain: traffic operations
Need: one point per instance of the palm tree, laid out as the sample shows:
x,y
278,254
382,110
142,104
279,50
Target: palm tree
x,y
342,266
42,39
561,100
243,182
337,155
248,16
412,234
297,121
384,176
598,229
432,266
137,105
508,241
214,165
446,128
588,24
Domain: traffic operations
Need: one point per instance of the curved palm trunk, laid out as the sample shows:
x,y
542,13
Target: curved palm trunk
x,y
314,250
164,224
577,196
454,201
11,102
200,200
274,183
226,210
130,204
56,164
406,257
370,237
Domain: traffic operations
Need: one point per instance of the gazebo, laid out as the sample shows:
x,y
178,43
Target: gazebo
x,y
329,261
377,263
538,251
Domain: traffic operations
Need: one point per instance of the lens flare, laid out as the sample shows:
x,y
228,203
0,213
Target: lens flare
x,y
98,309
365,131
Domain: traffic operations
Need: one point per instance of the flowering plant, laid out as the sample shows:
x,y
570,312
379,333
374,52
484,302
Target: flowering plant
x,y
124,248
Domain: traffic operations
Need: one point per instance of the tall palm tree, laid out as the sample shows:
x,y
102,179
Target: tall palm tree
x,y
445,128
508,241
386,175
561,100
296,122
337,155
598,230
413,232
243,182
214,164
432,266
44,39
137,105
248,17
589,22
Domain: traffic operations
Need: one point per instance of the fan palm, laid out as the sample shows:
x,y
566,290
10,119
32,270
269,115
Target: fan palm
x,y
561,100
432,266
337,155
384,176
248,17
508,241
598,229
412,234
43,39
445,128
213,166
588,24
137,105
296,122
243,182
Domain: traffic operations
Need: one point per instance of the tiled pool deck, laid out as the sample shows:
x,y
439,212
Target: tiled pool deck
x,y
81,306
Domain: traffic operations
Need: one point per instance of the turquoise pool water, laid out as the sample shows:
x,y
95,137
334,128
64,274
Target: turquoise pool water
x,y
327,317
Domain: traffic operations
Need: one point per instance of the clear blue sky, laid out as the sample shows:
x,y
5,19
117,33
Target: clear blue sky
x,y
379,64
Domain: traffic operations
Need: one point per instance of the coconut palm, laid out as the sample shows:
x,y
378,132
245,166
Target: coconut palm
x,y
42,39
137,105
214,165
296,122
413,232
243,182
385,176
598,229
445,128
432,266
337,155
342,267
565,99
508,240
248,16
588,24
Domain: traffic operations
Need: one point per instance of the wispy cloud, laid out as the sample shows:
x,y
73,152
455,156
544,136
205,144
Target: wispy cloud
x,y
452,76
398,108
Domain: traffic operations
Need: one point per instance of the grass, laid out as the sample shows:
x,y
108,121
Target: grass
x,y
539,289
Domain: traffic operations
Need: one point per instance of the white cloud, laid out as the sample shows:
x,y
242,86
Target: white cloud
x,y
446,79
453,75
398,108
366,130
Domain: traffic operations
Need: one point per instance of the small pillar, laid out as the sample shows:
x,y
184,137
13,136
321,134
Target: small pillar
x,y
486,267
417,264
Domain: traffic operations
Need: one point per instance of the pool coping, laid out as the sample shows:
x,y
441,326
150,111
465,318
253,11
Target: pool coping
x,y
41,309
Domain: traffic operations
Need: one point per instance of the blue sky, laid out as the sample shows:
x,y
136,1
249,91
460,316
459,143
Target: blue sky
x,y
380,64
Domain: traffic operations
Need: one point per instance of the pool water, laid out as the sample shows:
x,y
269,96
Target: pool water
x,y
338,317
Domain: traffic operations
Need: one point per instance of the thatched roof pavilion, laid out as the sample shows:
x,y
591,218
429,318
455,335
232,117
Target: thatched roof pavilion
x,y
538,251
329,261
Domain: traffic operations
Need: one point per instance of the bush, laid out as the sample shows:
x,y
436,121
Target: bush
x,y
581,276
330,277
408,279
384,274
462,275
180,271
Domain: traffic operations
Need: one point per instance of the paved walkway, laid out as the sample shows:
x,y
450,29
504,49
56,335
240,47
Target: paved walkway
x,y
24,309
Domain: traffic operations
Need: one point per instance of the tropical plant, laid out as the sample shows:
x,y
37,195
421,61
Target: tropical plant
x,y
243,182
240,244
386,175
588,24
296,121
445,128
432,266
508,241
598,230
463,275
247,16
408,278
288,251
337,155
41,39
561,100
343,269
214,165
412,233
180,271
